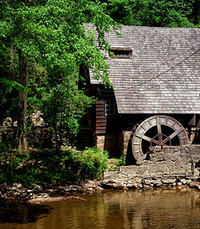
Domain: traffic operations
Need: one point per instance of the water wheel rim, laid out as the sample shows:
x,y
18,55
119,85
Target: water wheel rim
x,y
139,134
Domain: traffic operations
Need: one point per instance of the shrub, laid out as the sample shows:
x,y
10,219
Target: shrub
x,y
92,162
115,163
67,166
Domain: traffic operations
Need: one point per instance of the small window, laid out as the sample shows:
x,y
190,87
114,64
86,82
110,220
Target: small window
x,y
120,53
110,107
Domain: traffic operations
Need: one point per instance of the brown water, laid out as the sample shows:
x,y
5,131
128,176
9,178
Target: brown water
x,y
111,210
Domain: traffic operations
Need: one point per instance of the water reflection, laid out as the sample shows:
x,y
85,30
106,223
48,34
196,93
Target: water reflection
x,y
118,209
158,209
21,213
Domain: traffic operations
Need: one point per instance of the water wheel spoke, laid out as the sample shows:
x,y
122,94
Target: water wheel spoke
x,y
151,140
166,140
144,137
155,141
174,134
158,126
159,130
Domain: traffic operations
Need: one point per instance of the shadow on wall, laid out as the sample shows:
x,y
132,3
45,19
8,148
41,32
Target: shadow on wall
x,y
197,137
130,160
197,165
112,143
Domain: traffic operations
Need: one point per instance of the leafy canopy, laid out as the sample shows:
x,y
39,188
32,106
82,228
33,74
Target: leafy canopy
x,y
51,33
165,13
49,37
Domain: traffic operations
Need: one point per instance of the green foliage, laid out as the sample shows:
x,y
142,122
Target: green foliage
x,y
47,40
166,13
10,84
115,163
54,35
93,162
62,106
121,161
50,167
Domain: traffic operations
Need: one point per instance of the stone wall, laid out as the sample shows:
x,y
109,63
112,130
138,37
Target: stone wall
x,y
126,138
165,166
110,142
100,141
172,160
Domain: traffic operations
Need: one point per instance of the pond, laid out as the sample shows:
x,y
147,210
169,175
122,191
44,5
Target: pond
x,y
160,208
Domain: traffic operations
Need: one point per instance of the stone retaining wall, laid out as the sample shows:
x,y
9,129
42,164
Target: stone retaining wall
x,y
164,166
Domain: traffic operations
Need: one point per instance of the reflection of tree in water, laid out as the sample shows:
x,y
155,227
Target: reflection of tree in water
x,y
21,213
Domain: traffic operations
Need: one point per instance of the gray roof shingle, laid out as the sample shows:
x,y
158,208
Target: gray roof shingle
x,y
163,75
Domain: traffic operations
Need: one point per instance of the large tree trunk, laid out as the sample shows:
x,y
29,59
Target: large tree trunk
x,y
21,140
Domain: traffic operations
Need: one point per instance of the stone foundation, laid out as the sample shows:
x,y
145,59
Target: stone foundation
x,y
111,143
164,167
126,138
100,141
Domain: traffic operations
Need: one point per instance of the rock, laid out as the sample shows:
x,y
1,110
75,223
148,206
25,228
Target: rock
x,y
132,185
47,199
98,188
148,182
73,188
183,181
43,195
36,187
169,181
158,184
17,185
103,182
147,187
7,122
195,185
51,190
140,186
118,185
112,184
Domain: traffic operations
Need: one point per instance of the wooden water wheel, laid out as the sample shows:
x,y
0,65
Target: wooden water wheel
x,y
157,130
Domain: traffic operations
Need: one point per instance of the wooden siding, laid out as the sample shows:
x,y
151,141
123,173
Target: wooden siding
x,y
101,119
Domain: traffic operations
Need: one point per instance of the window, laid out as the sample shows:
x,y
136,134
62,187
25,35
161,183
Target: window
x,y
110,107
121,53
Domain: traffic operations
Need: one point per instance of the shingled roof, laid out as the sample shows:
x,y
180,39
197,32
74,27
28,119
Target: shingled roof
x,y
163,74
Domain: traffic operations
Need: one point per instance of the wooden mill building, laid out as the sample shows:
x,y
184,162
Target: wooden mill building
x,y
156,96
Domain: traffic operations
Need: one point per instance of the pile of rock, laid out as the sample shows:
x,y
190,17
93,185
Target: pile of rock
x,y
19,192
165,166
150,182
122,180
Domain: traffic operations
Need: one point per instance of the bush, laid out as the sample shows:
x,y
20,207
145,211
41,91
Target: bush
x,y
92,162
67,166
115,163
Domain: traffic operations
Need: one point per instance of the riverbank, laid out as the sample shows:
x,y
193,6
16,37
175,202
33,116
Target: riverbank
x,y
173,207
47,192
166,167
37,194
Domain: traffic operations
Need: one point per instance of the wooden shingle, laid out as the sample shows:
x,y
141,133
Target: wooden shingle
x,y
163,74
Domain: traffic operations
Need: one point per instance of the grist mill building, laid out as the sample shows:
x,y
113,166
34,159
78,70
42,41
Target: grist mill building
x,y
155,73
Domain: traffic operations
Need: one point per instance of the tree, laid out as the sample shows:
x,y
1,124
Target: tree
x,y
169,13
50,34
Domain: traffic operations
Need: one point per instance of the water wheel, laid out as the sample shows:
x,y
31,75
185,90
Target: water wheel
x,y
157,130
